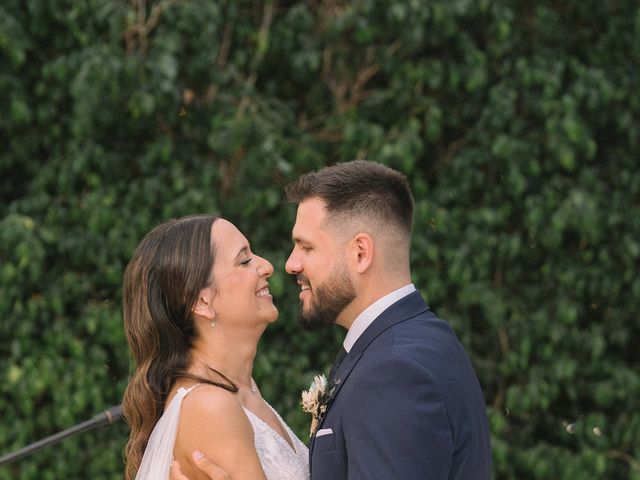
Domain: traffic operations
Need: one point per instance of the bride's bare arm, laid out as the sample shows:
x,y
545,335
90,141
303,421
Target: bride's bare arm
x,y
213,422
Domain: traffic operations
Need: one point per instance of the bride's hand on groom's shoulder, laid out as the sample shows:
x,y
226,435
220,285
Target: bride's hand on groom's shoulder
x,y
205,464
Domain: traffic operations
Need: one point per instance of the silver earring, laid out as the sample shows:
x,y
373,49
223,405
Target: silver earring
x,y
213,323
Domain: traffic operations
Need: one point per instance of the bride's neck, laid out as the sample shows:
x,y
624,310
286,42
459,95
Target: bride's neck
x,y
231,356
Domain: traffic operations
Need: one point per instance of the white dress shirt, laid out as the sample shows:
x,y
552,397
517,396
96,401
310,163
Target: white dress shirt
x,y
373,311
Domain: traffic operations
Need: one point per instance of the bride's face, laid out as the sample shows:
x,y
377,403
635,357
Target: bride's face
x,y
241,290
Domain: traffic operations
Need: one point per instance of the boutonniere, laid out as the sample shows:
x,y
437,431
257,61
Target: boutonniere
x,y
316,399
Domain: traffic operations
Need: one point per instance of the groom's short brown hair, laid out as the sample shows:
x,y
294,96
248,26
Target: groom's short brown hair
x,y
359,188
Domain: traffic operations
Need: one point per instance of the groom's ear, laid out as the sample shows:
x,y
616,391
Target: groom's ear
x,y
203,307
362,249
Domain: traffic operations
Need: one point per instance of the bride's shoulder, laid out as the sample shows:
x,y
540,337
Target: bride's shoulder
x,y
206,399
211,408
213,421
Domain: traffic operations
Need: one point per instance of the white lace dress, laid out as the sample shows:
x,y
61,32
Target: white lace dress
x,y
279,461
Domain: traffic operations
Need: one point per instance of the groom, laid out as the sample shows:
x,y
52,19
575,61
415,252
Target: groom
x,y
407,403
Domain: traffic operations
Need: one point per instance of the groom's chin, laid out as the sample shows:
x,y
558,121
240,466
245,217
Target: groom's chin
x,y
310,321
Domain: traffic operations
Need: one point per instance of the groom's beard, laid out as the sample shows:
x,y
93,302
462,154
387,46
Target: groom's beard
x,y
327,300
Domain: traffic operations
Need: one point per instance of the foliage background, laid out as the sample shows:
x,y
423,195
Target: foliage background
x,y
517,122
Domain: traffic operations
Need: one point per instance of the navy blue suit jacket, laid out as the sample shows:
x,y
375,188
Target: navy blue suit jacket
x,y
407,405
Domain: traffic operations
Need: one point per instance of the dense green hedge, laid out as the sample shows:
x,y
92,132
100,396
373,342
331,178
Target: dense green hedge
x,y
518,124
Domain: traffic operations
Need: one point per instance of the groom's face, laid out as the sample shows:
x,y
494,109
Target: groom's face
x,y
317,260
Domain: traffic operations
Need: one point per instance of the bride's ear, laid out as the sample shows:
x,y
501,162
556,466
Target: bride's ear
x,y
203,307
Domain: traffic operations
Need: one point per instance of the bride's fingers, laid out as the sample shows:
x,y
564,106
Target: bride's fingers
x,y
205,464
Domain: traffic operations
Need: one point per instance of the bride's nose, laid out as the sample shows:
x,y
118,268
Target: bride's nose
x,y
265,268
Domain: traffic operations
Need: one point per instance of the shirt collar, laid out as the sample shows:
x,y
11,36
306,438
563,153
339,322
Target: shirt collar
x,y
373,311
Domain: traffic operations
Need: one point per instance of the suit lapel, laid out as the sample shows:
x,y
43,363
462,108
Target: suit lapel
x,y
404,309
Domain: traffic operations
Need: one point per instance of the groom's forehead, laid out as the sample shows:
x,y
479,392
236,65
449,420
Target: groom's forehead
x,y
310,217
313,208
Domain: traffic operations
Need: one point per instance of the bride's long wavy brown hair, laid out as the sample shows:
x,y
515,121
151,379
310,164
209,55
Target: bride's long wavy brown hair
x,y
170,267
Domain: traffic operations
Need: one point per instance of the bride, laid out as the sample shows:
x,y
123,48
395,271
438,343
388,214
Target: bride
x,y
196,301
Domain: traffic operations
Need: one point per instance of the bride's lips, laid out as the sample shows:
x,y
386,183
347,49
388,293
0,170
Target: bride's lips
x,y
264,292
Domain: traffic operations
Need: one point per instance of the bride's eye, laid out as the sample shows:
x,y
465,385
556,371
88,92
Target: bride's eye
x,y
246,262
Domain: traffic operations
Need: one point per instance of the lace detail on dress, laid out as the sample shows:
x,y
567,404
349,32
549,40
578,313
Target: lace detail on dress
x,y
278,460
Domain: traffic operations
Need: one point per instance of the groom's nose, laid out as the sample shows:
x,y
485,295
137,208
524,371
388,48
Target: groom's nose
x,y
293,265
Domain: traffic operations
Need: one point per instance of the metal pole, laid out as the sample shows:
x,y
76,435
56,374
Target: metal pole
x,y
107,417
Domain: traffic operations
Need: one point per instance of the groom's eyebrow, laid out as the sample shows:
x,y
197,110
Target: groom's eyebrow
x,y
297,238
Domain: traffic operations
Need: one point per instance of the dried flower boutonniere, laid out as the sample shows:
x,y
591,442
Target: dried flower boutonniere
x,y
316,399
